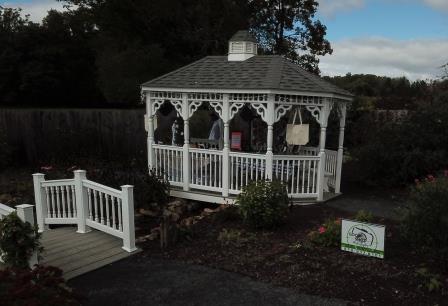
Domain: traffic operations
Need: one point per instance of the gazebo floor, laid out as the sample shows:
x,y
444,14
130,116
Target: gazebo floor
x,y
217,198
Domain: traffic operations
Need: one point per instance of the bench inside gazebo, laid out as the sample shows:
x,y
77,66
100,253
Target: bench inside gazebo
x,y
252,98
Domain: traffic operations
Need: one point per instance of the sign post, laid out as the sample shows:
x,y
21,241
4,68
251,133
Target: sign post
x,y
363,238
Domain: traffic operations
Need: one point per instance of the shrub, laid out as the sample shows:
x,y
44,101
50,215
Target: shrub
x,y
234,237
18,241
41,286
328,234
263,204
425,223
364,216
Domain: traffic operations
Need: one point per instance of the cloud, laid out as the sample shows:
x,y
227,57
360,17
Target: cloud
x,y
329,7
438,4
37,9
415,59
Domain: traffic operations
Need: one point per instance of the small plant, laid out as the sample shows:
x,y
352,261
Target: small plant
x,y
263,204
328,234
364,216
40,286
430,281
18,241
425,223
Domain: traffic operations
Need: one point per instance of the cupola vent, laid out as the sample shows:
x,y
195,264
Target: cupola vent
x,y
242,46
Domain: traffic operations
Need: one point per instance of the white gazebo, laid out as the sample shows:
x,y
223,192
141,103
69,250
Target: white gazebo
x,y
272,87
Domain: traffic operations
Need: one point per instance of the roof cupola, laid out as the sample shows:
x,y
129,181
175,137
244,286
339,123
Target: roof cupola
x,y
242,46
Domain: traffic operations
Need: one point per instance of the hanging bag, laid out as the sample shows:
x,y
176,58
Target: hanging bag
x,y
297,134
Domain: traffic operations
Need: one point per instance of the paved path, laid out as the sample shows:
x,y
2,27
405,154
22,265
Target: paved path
x,y
141,280
76,253
379,206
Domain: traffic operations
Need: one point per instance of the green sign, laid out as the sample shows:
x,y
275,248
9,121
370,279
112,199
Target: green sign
x,y
363,238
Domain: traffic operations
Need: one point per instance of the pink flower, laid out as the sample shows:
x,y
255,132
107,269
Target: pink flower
x,y
46,168
322,230
431,178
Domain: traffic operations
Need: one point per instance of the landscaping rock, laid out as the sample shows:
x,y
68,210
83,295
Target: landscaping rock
x,y
5,198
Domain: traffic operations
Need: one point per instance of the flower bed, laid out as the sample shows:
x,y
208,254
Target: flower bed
x,y
289,257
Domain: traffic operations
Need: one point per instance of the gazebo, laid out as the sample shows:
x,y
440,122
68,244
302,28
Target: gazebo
x,y
270,86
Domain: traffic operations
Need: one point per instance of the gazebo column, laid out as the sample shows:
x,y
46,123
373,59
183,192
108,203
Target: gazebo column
x,y
270,118
323,121
150,138
186,148
226,149
342,116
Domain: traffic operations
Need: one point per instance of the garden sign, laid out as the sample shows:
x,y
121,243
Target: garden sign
x,y
363,238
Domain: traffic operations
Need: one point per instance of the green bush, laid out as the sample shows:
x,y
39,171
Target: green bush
x,y
263,204
425,223
395,152
328,234
41,286
18,241
364,216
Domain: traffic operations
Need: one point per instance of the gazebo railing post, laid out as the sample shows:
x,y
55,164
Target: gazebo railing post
x,y
150,122
343,111
270,118
186,147
225,150
323,121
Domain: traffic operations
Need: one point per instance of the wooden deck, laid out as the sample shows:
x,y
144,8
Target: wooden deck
x,y
77,254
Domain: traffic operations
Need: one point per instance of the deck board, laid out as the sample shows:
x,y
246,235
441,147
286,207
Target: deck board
x,y
76,254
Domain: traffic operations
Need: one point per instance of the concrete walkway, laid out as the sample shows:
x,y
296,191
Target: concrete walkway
x,y
379,206
140,280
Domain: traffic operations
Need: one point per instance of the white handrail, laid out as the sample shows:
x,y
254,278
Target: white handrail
x,y
87,204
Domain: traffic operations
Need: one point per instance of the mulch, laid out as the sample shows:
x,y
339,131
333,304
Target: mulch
x,y
285,257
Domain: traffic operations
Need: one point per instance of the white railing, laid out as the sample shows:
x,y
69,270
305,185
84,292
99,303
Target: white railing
x,y
309,151
26,213
331,159
206,169
168,161
300,173
244,168
61,201
87,204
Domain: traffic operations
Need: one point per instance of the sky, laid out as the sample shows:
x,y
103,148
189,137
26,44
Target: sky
x,y
384,37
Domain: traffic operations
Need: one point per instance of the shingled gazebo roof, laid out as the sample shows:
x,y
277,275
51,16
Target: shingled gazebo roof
x,y
260,72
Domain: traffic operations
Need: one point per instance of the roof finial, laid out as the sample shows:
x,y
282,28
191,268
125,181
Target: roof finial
x,y
242,46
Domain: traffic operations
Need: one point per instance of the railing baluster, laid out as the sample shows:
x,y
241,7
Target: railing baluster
x,y
62,188
107,210
50,204
120,214
102,208
58,202
89,200
113,212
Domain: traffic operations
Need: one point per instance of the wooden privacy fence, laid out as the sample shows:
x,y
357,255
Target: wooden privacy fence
x,y
26,213
87,204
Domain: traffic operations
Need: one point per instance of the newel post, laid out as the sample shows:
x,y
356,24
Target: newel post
x,y
226,149
81,196
342,116
41,201
127,198
150,138
270,118
26,213
186,147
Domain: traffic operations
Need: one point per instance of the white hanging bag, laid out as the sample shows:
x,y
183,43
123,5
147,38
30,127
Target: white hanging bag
x,y
297,134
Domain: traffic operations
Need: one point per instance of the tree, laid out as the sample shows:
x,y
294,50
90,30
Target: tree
x,y
289,28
